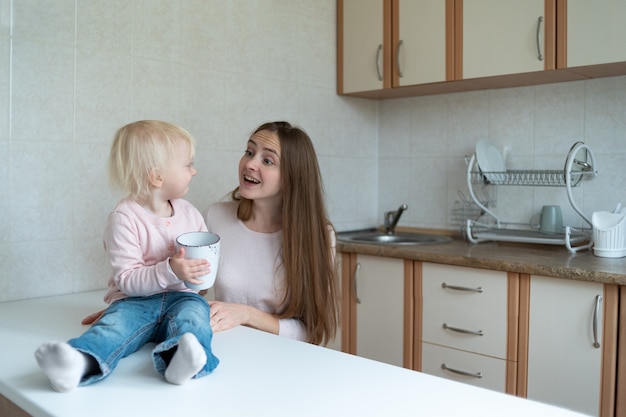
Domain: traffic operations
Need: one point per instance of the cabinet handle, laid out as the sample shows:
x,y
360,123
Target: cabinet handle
x,y
539,54
464,331
459,372
356,276
400,43
378,53
596,314
455,287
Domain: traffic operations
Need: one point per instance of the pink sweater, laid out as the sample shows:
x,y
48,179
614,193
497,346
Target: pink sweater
x,y
138,246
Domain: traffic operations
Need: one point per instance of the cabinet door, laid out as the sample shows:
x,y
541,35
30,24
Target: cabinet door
x,y
564,366
379,289
419,41
500,37
362,45
595,32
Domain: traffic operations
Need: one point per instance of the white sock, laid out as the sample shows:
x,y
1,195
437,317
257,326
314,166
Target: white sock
x,y
64,365
187,361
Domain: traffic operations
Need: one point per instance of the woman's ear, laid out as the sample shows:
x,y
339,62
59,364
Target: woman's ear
x,y
156,179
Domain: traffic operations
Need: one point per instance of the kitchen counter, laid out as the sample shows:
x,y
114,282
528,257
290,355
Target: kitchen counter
x,y
259,374
548,260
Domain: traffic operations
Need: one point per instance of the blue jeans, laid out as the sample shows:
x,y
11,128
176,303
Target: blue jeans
x,y
130,323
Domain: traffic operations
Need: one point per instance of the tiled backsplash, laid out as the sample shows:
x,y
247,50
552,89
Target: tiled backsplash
x,y
423,142
72,72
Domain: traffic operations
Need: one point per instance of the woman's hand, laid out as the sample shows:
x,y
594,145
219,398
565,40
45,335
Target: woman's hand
x,y
93,317
225,316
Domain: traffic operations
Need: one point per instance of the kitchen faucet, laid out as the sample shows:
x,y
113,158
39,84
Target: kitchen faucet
x,y
392,217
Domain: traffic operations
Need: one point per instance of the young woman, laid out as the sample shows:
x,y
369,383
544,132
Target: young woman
x,y
277,268
152,162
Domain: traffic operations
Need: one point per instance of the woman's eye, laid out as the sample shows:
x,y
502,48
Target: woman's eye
x,y
268,161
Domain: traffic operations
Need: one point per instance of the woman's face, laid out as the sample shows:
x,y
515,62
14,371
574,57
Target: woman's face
x,y
259,167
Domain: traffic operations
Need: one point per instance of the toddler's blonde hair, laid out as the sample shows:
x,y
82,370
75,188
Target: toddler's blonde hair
x,y
139,148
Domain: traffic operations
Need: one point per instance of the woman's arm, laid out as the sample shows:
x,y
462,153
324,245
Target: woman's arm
x,y
225,316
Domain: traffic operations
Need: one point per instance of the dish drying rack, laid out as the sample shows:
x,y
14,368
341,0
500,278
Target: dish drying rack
x,y
579,165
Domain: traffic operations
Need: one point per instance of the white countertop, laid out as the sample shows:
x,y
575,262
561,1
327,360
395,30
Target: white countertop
x,y
259,374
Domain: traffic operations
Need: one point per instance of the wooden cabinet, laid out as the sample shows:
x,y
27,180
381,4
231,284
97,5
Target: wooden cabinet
x,y
591,32
403,48
548,339
392,43
364,61
376,309
499,37
569,359
468,325
420,41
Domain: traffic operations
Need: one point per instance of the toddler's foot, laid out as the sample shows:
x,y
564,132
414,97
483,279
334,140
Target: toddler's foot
x,y
187,361
63,365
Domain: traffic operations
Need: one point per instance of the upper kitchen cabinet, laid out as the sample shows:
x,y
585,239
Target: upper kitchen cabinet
x,y
591,36
500,37
384,44
404,48
362,61
420,42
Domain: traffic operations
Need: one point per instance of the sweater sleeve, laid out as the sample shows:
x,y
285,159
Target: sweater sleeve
x,y
131,274
293,329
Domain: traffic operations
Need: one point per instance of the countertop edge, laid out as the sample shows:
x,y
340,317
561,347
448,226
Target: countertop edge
x,y
546,260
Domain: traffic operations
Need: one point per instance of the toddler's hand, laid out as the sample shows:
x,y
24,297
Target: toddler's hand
x,y
189,270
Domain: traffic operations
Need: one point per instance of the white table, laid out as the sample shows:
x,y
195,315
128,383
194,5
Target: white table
x,y
259,374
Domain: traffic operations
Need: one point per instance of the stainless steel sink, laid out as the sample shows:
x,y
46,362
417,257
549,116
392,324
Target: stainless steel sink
x,y
376,237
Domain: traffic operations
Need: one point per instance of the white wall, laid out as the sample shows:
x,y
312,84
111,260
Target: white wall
x,y
73,71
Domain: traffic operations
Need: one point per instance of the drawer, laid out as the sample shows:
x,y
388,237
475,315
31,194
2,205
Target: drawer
x,y
456,314
491,371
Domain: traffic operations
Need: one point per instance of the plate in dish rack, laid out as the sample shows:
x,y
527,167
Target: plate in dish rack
x,y
489,159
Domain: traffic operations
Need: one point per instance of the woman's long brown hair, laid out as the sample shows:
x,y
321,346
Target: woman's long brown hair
x,y
312,290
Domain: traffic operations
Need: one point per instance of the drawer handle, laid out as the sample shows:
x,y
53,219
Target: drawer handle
x,y
596,315
457,288
378,54
464,331
459,372
400,44
539,54
356,277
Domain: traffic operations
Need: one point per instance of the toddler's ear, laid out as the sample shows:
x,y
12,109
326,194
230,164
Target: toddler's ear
x,y
156,179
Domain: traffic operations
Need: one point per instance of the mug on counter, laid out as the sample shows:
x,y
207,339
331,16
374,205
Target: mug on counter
x,y
549,220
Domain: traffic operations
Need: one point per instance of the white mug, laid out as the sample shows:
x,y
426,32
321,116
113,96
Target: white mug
x,y
201,245
550,220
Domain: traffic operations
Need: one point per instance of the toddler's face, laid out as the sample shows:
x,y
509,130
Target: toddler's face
x,y
179,172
